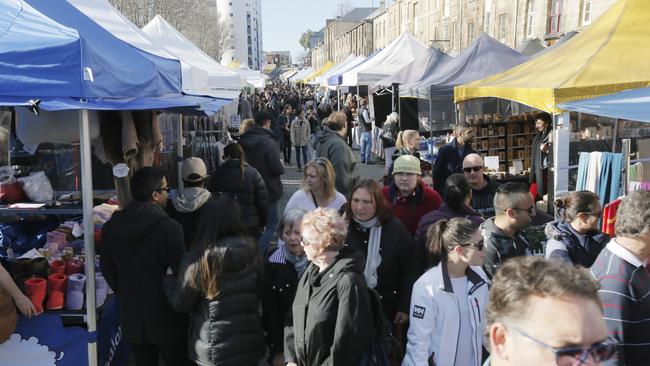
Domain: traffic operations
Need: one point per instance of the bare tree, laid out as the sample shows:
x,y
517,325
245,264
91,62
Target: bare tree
x,y
198,20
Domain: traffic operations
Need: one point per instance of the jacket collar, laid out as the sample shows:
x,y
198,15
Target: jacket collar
x,y
473,277
416,196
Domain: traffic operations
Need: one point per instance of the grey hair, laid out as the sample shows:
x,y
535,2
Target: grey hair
x,y
392,118
462,127
509,195
633,216
290,218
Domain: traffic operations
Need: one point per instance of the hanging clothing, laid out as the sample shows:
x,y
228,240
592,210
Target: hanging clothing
x,y
609,217
583,170
593,173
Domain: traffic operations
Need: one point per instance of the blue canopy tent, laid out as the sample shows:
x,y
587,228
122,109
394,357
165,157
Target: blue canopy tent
x,y
630,104
52,53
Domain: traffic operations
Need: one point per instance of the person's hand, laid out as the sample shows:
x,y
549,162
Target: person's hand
x,y
544,147
401,318
278,360
24,304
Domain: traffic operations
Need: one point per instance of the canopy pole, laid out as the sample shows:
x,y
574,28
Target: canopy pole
x,y
89,232
392,98
179,151
561,139
338,95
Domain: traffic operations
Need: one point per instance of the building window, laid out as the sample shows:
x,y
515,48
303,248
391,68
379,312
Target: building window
x,y
488,16
530,16
470,33
554,16
503,26
586,12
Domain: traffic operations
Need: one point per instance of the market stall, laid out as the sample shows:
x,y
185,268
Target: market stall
x,y
68,63
607,57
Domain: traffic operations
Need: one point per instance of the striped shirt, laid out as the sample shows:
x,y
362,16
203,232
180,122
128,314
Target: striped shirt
x,y
625,295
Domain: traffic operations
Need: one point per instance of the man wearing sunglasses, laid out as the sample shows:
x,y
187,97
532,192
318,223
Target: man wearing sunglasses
x,y
515,209
625,282
483,189
546,313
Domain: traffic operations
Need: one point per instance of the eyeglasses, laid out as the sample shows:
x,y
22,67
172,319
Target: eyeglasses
x,y
478,245
576,356
166,189
530,210
473,169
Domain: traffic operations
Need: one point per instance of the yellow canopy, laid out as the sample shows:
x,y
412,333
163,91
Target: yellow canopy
x,y
234,64
612,55
318,73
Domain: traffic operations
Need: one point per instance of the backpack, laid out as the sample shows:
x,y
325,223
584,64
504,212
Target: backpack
x,y
384,347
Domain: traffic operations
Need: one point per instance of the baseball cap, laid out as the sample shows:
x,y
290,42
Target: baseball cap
x,y
193,170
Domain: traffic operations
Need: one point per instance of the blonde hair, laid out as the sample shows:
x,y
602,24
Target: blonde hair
x,y
325,171
245,125
329,228
404,136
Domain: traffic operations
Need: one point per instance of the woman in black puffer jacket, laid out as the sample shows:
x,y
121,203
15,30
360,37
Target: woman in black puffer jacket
x,y
245,184
219,283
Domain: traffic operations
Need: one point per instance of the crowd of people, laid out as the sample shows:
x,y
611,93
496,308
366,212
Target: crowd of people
x,y
365,269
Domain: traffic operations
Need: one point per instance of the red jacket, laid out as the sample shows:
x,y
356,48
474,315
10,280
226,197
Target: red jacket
x,y
410,210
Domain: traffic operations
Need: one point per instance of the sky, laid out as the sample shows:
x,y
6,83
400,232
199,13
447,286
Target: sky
x,y
283,21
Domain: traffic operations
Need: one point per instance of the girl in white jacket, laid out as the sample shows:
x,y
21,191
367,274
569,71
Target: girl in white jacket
x,y
448,302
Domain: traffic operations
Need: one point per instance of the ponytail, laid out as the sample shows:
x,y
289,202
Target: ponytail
x,y
445,234
436,243
399,142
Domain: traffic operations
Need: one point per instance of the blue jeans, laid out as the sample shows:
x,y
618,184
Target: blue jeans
x,y
366,147
304,154
270,229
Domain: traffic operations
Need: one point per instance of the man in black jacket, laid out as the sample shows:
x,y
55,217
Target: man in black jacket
x,y
263,154
140,244
483,188
515,209
450,156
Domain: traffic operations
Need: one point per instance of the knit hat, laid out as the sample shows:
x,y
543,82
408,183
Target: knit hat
x,y
407,164
193,170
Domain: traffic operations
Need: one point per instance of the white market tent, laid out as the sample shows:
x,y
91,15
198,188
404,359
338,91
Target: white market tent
x,y
350,61
288,74
194,79
224,83
253,77
399,53
302,74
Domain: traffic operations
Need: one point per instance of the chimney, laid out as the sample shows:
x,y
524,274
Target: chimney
x,y
382,4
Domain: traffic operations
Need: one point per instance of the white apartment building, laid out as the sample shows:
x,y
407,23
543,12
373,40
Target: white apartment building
x,y
244,17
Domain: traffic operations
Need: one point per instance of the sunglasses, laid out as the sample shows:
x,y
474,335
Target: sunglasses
x,y
576,356
475,169
530,210
597,214
320,161
478,245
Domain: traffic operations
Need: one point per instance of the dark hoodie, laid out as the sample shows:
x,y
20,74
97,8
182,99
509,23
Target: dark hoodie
x,y
331,314
263,154
499,246
334,148
566,244
139,243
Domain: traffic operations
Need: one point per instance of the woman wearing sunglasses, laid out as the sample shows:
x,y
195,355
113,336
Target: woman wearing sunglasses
x,y
576,238
448,302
